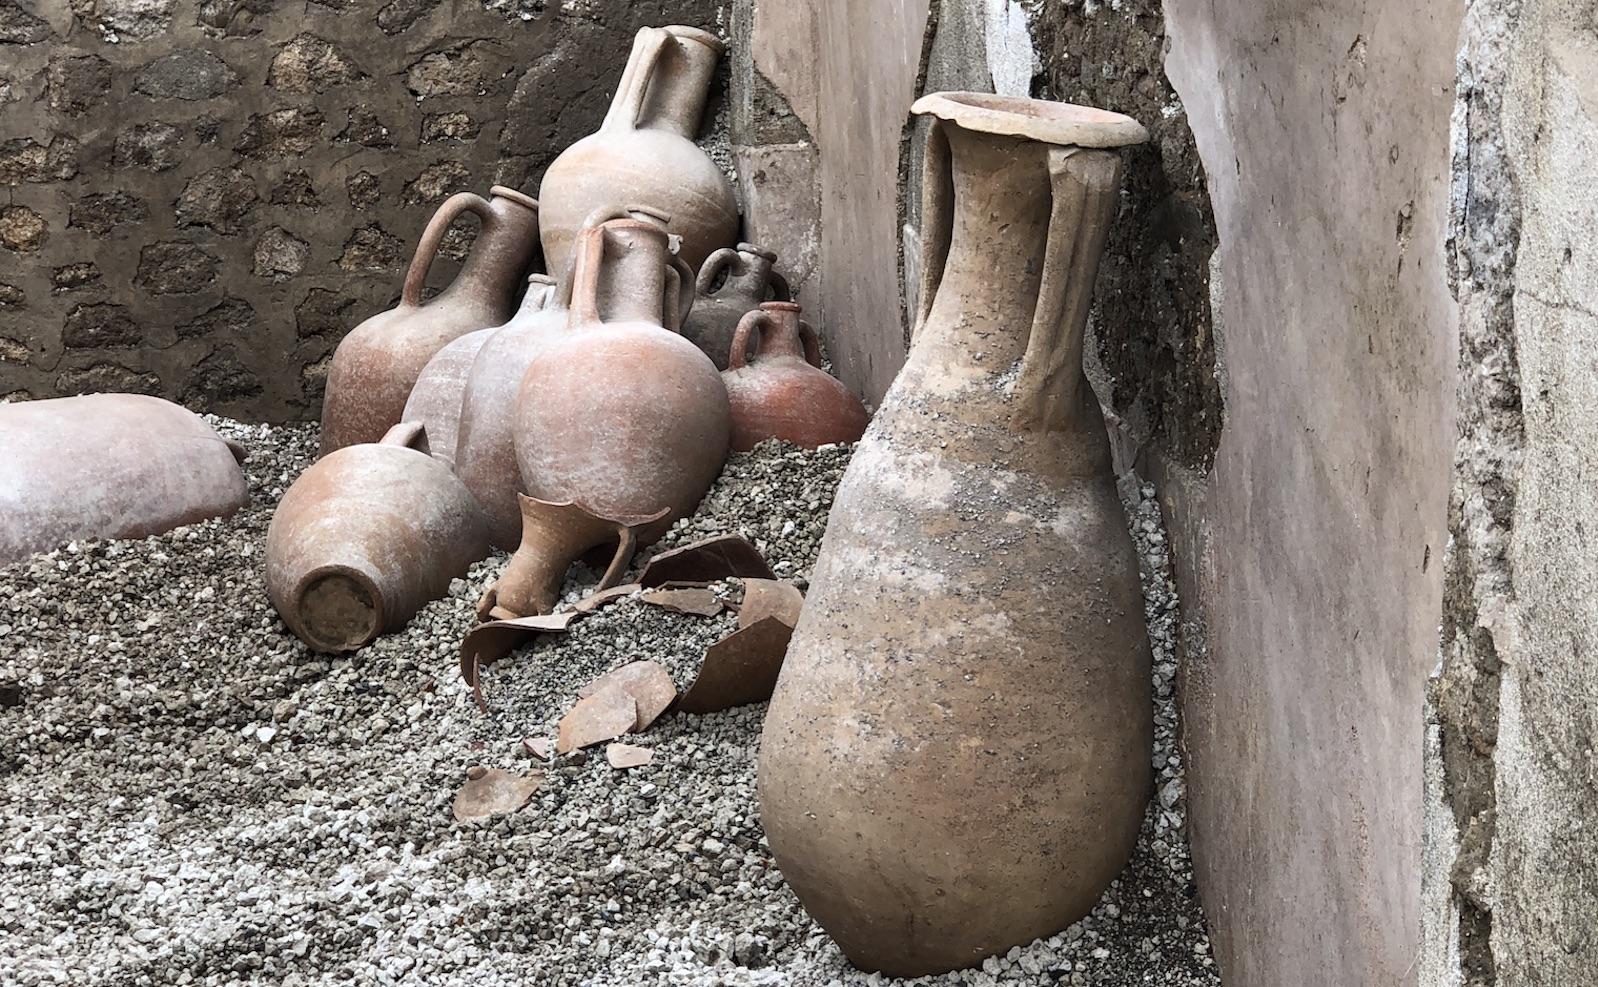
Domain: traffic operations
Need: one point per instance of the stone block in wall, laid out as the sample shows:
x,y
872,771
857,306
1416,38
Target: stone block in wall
x,y
782,205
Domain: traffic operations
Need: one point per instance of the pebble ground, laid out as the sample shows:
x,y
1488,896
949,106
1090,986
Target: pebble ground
x,y
191,797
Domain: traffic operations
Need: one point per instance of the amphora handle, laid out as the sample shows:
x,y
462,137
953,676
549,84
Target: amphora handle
x,y
433,237
631,91
676,300
937,218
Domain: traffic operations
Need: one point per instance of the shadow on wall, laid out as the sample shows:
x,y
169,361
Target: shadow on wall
x,y
202,199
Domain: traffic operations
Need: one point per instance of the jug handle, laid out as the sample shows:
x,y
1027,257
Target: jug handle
x,y
628,105
937,219
679,301
585,276
780,292
749,324
708,271
1084,183
433,236
407,435
600,217
812,342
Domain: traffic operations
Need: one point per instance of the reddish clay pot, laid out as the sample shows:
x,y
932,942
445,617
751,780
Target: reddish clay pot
x,y
731,284
366,537
109,466
485,456
622,415
956,759
435,401
782,392
376,366
553,537
644,153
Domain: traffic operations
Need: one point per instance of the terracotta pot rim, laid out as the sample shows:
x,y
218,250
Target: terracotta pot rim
x,y
366,583
544,279
758,251
781,307
705,38
520,198
1041,120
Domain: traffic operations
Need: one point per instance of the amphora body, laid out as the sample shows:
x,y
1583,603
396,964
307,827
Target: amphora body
x,y
485,455
376,365
435,401
366,537
622,416
109,466
732,283
644,153
781,392
957,756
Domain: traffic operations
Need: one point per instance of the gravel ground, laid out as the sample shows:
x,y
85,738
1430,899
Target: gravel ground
x,y
192,797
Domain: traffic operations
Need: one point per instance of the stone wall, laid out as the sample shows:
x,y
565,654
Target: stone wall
x,y
202,196
1511,891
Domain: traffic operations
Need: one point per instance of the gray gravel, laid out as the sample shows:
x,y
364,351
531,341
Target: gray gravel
x,y
192,797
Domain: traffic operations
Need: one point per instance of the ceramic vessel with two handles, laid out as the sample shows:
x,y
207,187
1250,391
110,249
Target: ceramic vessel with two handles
x,y
957,756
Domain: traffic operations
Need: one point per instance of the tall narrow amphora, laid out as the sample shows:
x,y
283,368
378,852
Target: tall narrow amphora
x,y
378,363
957,756
644,153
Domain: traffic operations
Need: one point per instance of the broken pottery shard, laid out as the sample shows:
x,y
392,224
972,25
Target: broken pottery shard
x,y
540,747
627,756
601,717
704,561
739,669
647,682
492,792
488,643
695,602
770,598
604,597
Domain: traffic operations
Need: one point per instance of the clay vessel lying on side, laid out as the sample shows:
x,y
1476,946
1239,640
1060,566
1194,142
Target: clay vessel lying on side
x,y
365,537
622,415
957,756
749,280
644,153
485,454
435,401
109,466
376,365
782,392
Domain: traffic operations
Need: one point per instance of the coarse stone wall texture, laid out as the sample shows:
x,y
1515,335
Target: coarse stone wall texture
x,y
1511,891
199,198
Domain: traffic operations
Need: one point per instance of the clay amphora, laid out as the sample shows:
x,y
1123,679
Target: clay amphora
x,y
109,466
782,392
622,415
644,153
376,365
485,457
553,537
366,537
731,284
957,756
435,401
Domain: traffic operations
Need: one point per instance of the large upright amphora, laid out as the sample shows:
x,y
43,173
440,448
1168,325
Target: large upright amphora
x,y
957,756
620,414
644,153
378,363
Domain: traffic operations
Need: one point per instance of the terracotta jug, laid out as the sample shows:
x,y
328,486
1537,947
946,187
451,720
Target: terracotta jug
x,y
109,466
435,401
366,537
731,284
377,364
622,415
957,756
644,153
782,392
485,456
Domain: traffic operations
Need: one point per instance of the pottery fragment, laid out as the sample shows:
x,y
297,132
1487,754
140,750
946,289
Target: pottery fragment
x,y
770,598
695,602
647,682
603,716
623,756
706,560
492,792
739,669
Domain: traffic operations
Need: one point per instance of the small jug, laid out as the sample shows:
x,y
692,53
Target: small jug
x,y
782,392
749,280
